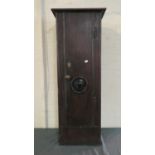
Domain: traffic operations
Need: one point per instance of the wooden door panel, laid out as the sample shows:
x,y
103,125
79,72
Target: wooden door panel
x,y
78,49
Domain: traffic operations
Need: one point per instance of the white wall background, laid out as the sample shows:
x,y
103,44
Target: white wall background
x,y
46,102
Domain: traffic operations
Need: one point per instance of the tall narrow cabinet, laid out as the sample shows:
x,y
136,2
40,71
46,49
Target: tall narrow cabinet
x,y
79,74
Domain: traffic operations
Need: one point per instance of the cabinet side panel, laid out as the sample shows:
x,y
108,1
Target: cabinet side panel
x,y
60,68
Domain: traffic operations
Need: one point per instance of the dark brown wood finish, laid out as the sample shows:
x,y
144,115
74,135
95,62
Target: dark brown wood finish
x,y
79,59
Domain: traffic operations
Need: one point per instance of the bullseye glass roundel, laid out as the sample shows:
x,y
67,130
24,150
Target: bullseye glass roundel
x,y
79,84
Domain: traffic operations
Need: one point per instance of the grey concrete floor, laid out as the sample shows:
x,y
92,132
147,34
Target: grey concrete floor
x,y
46,143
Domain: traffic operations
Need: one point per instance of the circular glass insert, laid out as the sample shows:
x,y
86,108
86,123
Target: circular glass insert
x,y
79,84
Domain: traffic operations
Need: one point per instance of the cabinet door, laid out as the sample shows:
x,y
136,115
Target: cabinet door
x,y
79,75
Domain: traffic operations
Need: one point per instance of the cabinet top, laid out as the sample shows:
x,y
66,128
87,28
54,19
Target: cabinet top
x,y
56,10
